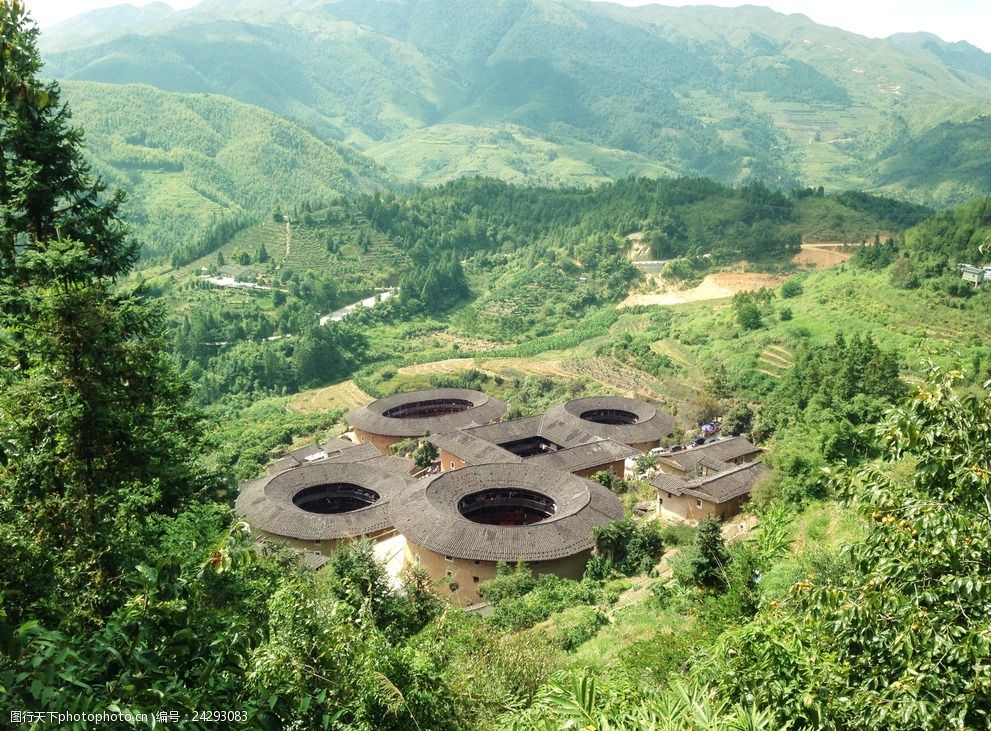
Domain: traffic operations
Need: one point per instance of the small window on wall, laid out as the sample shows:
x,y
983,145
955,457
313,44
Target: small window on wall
x,y
698,502
474,579
448,558
450,573
452,466
417,557
477,562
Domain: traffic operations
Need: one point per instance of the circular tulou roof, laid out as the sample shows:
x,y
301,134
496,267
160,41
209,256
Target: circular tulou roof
x,y
267,504
639,421
389,416
429,517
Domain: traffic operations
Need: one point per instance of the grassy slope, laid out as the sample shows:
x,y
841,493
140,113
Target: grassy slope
x,y
440,153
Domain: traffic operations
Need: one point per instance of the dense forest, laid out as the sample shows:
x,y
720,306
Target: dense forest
x,y
129,407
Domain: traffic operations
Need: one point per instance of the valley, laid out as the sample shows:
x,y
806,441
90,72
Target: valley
x,y
375,365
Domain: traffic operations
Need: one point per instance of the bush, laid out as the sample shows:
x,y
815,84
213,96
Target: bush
x,y
577,625
738,419
550,594
659,656
403,448
508,583
611,482
710,557
749,317
627,547
678,534
791,288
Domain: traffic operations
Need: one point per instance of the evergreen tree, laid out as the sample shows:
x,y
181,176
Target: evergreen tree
x,y
101,436
711,556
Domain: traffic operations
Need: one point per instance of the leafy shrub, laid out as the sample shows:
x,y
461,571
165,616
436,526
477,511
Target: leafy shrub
x,y
611,482
549,594
628,547
705,565
577,625
791,288
659,656
738,419
509,583
678,534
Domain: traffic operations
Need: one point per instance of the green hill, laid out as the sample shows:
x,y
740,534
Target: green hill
x,y
487,264
188,161
557,91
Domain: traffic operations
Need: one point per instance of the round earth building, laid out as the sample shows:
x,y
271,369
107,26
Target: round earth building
x,y
465,522
415,413
629,421
314,506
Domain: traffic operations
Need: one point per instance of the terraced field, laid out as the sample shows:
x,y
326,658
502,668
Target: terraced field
x,y
438,367
775,360
823,255
345,395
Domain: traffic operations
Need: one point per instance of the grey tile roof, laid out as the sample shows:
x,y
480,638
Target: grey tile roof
x,y
717,488
283,463
428,516
580,449
651,424
372,418
669,483
471,448
585,456
336,444
355,453
314,560
266,504
391,463
714,464
723,450
301,453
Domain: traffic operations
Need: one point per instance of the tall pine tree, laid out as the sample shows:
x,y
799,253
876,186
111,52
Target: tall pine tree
x,y
95,426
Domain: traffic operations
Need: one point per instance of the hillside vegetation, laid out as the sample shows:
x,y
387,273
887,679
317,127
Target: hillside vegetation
x,y
562,92
189,162
851,595
494,266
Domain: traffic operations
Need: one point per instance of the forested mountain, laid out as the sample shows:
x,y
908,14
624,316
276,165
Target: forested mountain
x,y
553,91
189,161
961,55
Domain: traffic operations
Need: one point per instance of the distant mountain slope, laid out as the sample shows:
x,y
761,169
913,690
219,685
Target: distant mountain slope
x,y
188,161
734,94
953,157
100,25
960,55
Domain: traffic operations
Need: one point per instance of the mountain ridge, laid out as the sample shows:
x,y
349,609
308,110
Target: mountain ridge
x,y
736,94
